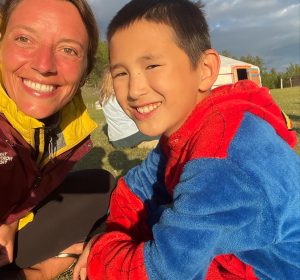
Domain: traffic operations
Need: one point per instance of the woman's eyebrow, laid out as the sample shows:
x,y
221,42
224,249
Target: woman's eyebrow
x,y
25,27
32,30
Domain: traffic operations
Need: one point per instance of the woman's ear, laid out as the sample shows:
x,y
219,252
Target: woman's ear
x,y
208,69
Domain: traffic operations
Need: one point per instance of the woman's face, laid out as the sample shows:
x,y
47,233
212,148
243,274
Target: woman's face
x,y
43,56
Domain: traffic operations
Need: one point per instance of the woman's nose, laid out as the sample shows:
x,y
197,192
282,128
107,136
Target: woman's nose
x,y
44,61
137,86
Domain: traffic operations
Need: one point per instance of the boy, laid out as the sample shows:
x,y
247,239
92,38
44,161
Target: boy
x,y
219,197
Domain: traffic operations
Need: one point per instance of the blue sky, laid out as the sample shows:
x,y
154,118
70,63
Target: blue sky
x,y
267,28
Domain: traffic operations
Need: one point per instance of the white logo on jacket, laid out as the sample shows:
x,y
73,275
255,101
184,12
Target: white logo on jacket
x,y
4,158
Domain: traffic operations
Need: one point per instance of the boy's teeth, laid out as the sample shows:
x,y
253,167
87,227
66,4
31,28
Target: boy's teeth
x,y
148,108
39,87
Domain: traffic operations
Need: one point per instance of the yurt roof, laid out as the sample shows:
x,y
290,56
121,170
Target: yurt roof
x,y
227,61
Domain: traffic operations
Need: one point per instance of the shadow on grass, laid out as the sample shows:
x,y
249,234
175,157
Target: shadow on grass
x,y
120,162
105,129
94,159
117,159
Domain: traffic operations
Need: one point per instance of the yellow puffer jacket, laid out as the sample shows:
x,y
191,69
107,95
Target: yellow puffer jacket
x,y
29,169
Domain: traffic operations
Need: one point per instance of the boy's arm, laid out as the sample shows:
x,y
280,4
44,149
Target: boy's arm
x,y
135,194
128,222
121,249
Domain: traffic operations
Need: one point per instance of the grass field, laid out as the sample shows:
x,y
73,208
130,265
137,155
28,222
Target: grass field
x,y
118,162
289,101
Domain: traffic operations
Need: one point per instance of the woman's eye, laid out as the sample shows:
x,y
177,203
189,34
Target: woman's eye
x,y
22,39
70,51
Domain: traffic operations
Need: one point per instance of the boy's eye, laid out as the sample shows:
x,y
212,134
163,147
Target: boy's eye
x,y
70,51
152,66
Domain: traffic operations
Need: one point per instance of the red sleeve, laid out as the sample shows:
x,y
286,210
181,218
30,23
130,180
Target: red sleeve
x,y
229,267
118,254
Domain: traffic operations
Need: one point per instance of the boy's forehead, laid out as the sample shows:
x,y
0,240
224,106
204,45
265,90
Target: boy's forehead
x,y
143,28
146,36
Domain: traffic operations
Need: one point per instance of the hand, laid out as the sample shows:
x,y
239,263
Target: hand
x,y
79,272
7,240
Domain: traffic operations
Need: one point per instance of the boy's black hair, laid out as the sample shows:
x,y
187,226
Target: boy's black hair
x,y
186,18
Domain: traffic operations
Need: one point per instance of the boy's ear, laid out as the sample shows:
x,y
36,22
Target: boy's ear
x,y
208,69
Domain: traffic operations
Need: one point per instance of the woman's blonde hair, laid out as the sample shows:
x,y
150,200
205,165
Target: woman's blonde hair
x,y
106,86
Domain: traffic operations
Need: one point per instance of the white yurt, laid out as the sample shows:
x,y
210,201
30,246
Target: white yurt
x,y
233,70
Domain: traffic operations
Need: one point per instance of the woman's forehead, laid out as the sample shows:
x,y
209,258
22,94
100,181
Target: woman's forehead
x,y
55,16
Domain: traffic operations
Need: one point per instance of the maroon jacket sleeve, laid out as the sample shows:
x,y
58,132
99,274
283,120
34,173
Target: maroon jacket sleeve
x,y
16,166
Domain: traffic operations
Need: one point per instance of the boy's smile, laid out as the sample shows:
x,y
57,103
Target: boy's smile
x,y
154,80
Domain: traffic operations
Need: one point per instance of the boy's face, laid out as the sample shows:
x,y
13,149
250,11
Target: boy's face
x,y
154,81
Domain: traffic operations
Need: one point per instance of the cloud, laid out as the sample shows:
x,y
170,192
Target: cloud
x,y
267,28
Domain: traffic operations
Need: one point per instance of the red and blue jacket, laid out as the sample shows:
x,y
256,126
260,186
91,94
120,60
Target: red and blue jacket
x,y
218,199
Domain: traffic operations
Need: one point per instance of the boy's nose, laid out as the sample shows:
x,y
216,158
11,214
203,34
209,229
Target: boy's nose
x,y
44,60
137,86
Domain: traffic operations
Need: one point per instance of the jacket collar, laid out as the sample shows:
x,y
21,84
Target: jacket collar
x,y
24,124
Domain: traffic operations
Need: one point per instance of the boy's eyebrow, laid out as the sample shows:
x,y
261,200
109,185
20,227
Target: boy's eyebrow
x,y
143,58
150,57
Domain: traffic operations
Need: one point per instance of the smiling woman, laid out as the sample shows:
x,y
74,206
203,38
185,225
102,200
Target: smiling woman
x,y
42,73
45,55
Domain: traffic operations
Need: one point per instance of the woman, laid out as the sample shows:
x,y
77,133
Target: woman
x,y
47,49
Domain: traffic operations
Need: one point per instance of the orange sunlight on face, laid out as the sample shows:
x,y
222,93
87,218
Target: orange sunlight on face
x,y
43,56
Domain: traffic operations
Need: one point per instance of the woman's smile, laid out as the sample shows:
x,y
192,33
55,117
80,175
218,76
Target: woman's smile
x,y
39,89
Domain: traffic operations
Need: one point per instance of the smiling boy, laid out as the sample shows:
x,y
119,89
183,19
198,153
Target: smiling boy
x,y
156,61
215,199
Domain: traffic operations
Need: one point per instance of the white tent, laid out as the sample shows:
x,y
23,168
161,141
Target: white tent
x,y
233,70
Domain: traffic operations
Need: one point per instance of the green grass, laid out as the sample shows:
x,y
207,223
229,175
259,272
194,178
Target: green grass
x,y
289,101
118,162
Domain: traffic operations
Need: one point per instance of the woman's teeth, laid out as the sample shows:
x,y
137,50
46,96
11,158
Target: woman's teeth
x,y
148,108
42,88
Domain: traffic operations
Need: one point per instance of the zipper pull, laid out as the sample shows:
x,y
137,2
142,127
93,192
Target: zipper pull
x,y
51,148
